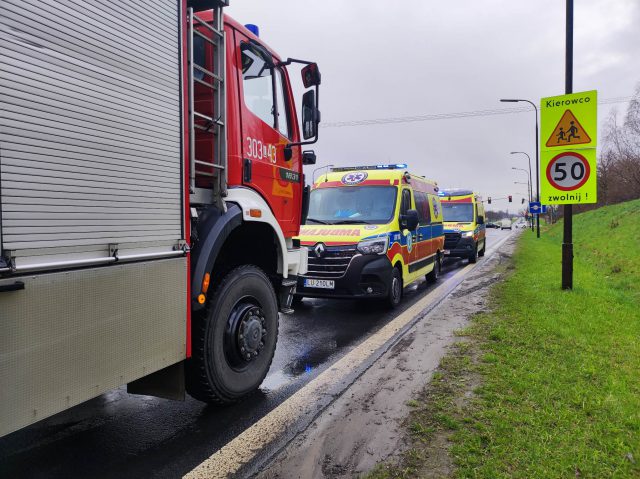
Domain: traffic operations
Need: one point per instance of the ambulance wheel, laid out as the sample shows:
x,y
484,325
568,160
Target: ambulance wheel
x,y
473,256
433,275
395,289
233,338
484,248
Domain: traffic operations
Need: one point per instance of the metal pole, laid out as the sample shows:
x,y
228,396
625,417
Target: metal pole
x,y
567,240
530,190
531,222
537,174
192,139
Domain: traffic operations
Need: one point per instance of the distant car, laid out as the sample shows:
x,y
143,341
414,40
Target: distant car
x,y
493,225
522,225
505,225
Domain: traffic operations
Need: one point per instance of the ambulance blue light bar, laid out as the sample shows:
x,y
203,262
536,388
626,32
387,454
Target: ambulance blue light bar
x,y
392,166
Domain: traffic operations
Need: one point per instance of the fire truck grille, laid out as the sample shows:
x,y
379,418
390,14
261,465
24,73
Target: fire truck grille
x,y
451,240
330,264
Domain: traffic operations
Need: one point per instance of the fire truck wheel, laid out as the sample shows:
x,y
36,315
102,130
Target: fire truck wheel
x,y
234,338
395,289
433,275
473,256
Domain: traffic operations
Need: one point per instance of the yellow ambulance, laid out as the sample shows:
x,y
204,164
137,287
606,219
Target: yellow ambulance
x,y
464,224
370,231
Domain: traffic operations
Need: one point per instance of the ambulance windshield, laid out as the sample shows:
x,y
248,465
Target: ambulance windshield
x,y
457,212
352,205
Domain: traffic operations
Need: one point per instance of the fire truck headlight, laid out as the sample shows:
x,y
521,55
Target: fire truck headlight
x,y
374,246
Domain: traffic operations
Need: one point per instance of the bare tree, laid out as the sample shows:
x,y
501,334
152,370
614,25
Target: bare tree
x,y
619,165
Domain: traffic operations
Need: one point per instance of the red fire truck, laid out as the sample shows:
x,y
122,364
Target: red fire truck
x,y
150,188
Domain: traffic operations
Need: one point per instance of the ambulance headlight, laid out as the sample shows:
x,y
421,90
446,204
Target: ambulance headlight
x,y
467,234
373,246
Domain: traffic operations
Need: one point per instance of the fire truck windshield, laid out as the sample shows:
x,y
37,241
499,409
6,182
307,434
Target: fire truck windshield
x,y
458,212
352,205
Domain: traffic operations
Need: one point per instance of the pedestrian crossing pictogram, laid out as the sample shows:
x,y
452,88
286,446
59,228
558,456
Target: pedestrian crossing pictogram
x,y
568,132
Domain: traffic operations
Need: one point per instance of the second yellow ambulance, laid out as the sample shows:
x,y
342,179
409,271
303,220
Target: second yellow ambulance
x,y
464,225
370,231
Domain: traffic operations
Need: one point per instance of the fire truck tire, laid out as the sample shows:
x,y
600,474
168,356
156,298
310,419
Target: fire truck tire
x,y
433,275
233,338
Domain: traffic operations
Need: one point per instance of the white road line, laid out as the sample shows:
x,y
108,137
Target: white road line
x,y
245,447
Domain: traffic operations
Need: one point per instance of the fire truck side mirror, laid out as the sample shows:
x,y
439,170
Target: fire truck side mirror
x,y
308,157
310,115
311,75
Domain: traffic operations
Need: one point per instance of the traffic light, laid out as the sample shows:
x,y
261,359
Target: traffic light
x,y
522,202
489,199
510,199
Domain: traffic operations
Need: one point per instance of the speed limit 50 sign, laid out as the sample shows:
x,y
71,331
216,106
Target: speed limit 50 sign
x,y
568,138
569,177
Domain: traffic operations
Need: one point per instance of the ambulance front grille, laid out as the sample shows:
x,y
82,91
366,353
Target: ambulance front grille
x,y
332,263
451,240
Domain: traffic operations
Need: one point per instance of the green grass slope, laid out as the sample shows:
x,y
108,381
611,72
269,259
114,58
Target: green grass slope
x,y
561,369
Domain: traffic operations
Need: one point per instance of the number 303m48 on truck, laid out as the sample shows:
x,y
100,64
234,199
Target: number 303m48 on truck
x,y
151,172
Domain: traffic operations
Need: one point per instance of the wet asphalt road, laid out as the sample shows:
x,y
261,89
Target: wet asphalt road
x,y
121,435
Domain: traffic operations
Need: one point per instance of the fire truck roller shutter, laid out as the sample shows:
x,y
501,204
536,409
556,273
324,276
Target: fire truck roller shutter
x,y
90,130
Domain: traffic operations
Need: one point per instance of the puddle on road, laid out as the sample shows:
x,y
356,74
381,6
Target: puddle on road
x,y
305,364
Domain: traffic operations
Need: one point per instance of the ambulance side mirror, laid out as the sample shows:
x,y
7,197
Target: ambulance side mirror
x,y
409,220
480,219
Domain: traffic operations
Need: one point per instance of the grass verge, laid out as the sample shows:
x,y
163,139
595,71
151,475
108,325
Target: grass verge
x,y
548,384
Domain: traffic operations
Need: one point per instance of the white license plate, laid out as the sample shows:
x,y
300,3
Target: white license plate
x,y
320,283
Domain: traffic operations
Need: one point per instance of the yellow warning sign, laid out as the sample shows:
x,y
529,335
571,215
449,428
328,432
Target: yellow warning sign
x,y
568,168
569,121
568,132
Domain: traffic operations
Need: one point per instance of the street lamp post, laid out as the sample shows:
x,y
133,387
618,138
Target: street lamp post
x,y
528,183
530,187
529,158
515,100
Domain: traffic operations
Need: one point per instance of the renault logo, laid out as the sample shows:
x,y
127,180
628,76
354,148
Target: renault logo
x,y
319,250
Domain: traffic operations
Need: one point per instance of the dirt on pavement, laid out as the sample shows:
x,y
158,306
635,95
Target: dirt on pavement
x,y
365,425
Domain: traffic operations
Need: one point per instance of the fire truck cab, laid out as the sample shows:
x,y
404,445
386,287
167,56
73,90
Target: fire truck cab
x,y
151,185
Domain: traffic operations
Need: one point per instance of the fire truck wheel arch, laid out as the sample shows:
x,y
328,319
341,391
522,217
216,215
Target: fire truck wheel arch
x,y
216,227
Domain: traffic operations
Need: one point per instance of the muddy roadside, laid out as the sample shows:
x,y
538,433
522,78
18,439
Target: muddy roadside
x,y
367,424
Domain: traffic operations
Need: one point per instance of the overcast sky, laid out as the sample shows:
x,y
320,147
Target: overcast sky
x,y
415,57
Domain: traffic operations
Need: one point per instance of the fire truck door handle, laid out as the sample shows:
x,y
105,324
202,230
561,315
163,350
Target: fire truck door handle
x,y
246,171
17,286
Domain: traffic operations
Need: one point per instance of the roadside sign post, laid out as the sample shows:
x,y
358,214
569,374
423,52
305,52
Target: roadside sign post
x,y
568,140
535,207
567,239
